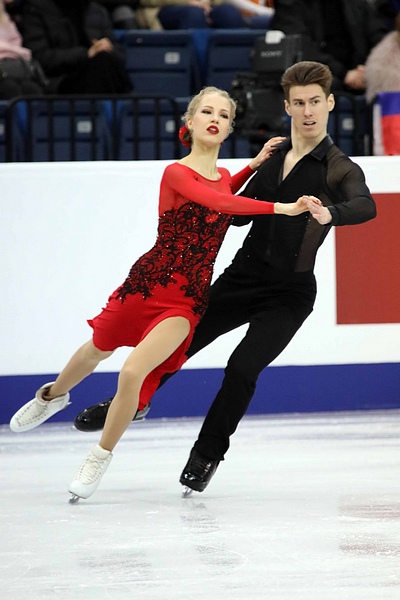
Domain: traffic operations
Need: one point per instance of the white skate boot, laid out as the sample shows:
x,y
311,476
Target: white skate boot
x,y
90,473
37,411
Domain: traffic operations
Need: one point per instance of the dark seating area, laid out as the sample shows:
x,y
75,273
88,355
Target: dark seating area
x,y
83,128
166,68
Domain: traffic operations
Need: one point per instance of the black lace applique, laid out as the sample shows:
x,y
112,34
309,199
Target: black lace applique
x,y
187,243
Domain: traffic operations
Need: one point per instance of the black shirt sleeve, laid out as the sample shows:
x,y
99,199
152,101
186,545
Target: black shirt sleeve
x,y
352,200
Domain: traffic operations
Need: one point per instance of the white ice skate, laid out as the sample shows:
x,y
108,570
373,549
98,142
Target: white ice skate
x,y
37,411
90,473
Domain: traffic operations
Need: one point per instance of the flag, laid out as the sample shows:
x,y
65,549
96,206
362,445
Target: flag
x,y
389,103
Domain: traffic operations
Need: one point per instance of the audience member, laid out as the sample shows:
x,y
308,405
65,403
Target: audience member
x,y
19,75
382,69
122,13
341,33
73,41
189,14
14,8
257,13
386,11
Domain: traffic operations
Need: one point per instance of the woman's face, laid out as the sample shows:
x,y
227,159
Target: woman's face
x,y
212,119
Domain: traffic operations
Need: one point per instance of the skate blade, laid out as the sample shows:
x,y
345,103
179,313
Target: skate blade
x,y
74,499
187,491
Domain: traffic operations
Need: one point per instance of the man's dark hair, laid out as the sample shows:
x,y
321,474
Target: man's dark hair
x,y
307,72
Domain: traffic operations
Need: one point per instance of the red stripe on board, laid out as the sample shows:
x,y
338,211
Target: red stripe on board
x,y
368,267
391,134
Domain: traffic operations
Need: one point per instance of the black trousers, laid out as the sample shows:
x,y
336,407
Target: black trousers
x,y
11,88
275,306
102,74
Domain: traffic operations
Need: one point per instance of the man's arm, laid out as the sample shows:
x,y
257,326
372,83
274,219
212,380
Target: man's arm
x,y
352,202
356,205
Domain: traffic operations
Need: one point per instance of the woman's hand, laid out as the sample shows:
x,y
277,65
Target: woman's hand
x,y
266,151
303,204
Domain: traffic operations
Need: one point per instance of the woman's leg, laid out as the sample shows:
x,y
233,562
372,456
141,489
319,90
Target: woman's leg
x,y
182,17
54,396
153,350
227,16
81,364
259,21
158,345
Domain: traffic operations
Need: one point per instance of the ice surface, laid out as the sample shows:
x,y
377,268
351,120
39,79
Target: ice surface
x,y
303,508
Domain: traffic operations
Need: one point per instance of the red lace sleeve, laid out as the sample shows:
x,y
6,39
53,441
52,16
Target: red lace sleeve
x,y
179,179
239,179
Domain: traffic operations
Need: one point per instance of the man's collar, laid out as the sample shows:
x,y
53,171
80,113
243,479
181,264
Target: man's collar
x,y
319,152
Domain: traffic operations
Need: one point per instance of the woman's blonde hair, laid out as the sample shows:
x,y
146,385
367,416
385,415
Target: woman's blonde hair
x,y
195,101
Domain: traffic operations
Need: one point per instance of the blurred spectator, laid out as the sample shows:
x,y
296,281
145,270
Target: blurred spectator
x,y
73,41
382,69
342,33
122,13
19,75
257,13
14,9
189,14
386,11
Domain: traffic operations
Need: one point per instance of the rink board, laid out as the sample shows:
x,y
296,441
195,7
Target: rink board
x,y
69,233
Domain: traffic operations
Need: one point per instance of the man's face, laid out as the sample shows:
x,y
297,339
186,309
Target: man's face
x,y
309,108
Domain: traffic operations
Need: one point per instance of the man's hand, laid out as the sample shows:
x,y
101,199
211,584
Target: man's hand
x,y
292,209
103,45
317,210
355,78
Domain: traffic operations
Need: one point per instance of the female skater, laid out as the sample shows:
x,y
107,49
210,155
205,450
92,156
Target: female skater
x,y
165,294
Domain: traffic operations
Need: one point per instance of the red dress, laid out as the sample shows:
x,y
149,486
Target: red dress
x,y
173,278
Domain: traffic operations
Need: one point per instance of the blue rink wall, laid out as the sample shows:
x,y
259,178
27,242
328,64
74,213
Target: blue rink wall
x,y
69,233
299,389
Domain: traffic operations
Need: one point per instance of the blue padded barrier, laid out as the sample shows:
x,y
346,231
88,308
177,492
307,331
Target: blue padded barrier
x,y
348,123
144,128
161,62
57,130
229,51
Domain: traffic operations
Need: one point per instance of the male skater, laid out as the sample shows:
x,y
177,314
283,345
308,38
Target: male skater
x,y
270,284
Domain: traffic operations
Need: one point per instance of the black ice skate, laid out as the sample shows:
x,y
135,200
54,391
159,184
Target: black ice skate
x,y
93,418
197,473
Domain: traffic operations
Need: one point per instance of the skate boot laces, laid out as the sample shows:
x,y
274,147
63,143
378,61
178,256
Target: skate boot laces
x,y
91,469
38,410
33,411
